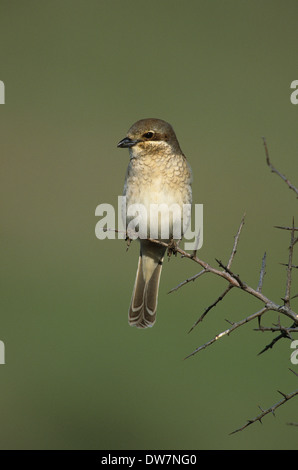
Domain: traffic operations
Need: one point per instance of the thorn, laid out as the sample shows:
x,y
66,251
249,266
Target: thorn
x,y
293,372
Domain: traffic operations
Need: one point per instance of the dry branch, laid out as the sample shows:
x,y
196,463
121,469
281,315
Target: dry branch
x,y
289,267
211,306
229,331
234,280
286,397
262,273
274,170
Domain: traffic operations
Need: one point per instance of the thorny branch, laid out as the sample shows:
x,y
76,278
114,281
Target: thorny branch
x,y
286,397
234,281
274,170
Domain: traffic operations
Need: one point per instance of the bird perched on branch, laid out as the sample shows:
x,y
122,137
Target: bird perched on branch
x,y
158,179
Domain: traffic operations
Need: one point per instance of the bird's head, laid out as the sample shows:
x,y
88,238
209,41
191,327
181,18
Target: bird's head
x,y
150,136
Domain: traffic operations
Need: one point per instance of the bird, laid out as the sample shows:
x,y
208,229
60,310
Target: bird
x,y
158,174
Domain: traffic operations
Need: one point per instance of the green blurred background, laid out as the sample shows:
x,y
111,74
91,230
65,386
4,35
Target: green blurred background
x,y
78,74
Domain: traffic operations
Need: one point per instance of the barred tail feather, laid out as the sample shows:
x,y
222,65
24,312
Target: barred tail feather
x,y
142,310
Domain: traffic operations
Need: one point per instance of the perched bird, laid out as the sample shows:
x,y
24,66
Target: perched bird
x,y
158,174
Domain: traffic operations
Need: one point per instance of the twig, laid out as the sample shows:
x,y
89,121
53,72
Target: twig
x,y
235,276
289,269
286,228
295,373
192,278
269,410
287,329
230,330
206,266
293,265
234,250
211,306
262,273
284,334
274,170
235,281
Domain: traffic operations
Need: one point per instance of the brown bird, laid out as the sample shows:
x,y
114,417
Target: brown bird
x,y
158,175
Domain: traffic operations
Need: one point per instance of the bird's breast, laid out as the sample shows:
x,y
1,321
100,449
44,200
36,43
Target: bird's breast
x,y
160,188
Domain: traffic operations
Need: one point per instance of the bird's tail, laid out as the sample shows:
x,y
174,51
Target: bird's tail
x,y
142,310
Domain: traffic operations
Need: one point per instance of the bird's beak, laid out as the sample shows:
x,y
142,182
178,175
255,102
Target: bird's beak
x,y
127,142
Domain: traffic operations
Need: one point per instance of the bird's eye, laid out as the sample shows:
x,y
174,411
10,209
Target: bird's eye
x,y
148,135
